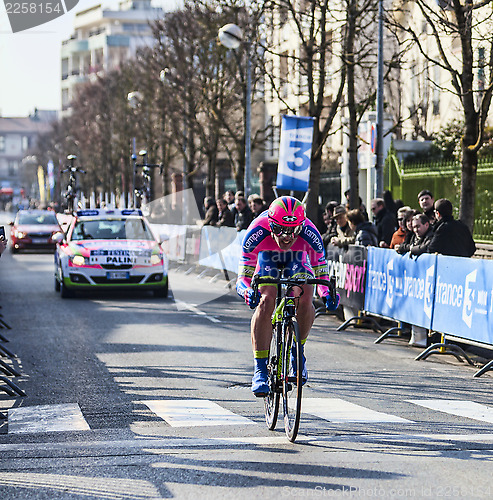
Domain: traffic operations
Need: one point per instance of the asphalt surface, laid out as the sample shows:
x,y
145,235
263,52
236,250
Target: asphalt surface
x,y
115,355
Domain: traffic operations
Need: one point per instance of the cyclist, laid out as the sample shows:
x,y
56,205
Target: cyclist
x,y
281,239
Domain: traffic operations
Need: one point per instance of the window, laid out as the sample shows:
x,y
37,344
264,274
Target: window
x,y
2,143
25,142
12,166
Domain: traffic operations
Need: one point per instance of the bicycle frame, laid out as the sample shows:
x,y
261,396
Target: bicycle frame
x,y
285,337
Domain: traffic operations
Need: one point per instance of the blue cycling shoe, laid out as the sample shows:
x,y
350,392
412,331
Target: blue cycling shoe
x,y
294,366
260,385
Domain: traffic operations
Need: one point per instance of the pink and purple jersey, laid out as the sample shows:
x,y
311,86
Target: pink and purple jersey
x,y
307,252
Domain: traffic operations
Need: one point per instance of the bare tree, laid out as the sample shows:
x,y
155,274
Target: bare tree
x,y
466,25
318,61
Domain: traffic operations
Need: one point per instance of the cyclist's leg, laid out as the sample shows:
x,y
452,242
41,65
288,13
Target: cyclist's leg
x,y
261,325
299,266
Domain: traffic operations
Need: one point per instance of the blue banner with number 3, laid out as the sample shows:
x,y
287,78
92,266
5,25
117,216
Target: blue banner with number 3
x,y
295,151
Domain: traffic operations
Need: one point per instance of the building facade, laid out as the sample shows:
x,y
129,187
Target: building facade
x,y
102,40
18,137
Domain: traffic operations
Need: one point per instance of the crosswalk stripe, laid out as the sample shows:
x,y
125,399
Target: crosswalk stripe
x,y
339,411
46,418
468,409
194,412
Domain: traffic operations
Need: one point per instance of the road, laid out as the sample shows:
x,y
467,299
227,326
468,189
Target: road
x,y
131,396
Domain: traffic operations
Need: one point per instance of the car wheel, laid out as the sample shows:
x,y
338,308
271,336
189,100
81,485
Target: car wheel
x,y
57,285
65,293
13,249
162,292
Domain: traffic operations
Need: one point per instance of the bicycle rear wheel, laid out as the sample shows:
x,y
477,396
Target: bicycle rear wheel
x,y
292,384
272,400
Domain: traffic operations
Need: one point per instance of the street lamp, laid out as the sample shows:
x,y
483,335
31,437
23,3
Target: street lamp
x,y
231,36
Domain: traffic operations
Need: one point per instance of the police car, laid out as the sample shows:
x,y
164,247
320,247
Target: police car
x,y
109,249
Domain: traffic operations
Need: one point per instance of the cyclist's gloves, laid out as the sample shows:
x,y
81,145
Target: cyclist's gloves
x,y
330,304
251,298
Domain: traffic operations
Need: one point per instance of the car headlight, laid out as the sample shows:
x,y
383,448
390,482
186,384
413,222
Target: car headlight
x,y
156,259
20,234
78,260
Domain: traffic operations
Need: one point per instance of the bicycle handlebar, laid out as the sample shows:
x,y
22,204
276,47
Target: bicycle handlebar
x,y
264,280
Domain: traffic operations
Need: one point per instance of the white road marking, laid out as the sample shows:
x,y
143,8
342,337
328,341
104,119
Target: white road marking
x,y
468,409
96,487
194,412
340,411
190,307
46,418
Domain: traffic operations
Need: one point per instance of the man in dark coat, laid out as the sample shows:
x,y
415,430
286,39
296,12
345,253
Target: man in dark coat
x,y
451,237
242,214
211,212
226,218
384,221
426,202
423,232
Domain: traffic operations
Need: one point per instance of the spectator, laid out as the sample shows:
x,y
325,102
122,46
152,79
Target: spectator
x,y
365,231
211,212
385,222
405,246
256,205
360,201
423,232
400,235
451,237
389,203
426,202
3,244
243,214
330,223
345,234
225,217
229,196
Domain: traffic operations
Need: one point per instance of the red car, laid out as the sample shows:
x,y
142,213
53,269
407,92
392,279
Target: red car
x,y
33,229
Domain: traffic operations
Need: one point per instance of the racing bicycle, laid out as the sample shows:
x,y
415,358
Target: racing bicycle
x,y
283,378
71,193
143,193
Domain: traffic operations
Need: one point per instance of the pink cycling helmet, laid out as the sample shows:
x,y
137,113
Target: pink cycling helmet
x,y
286,211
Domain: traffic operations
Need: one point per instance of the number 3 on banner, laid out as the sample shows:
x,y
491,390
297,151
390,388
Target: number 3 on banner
x,y
303,152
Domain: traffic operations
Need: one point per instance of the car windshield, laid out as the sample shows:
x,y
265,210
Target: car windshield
x,y
27,218
114,229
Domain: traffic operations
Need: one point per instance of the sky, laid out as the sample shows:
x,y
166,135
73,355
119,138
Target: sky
x,y
30,68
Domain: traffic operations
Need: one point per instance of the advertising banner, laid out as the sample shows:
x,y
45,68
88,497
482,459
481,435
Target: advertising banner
x,y
349,267
400,287
295,151
463,298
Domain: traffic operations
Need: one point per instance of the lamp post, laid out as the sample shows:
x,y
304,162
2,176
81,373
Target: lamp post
x,y
379,136
231,36
134,99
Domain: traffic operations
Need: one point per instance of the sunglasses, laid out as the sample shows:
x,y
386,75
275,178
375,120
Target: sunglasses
x,y
279,230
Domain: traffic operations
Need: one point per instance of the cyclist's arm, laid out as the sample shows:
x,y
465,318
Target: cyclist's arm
x,y
255,235
316,253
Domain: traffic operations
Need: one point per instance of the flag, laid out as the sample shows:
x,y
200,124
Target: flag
x,y
295,151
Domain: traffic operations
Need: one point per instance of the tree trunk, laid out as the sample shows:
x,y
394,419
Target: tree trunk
x,y
468,186
353,118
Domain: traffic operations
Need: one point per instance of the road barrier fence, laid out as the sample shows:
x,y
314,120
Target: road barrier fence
x,y
449,295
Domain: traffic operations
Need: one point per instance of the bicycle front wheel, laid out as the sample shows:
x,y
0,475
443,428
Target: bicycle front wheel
x,y
272,400
292,379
